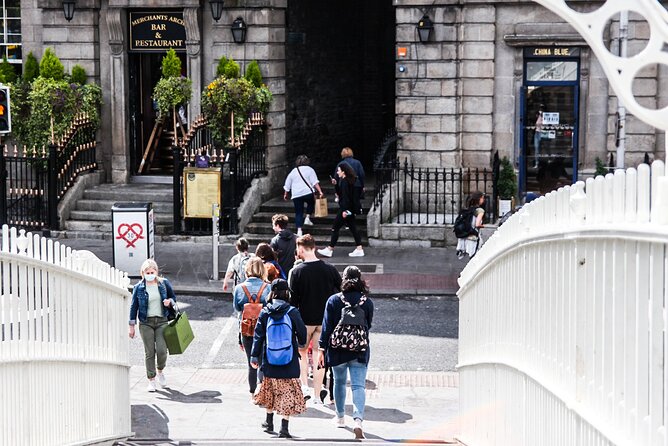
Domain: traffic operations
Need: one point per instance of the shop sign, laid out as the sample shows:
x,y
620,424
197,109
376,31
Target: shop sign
x,y
551,118
151,31
552,51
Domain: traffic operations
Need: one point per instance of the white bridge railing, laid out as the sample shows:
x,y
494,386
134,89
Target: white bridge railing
x,y
563,319
64,369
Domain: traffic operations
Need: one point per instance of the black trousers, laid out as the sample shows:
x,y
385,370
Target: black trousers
x,y
339,222
252,373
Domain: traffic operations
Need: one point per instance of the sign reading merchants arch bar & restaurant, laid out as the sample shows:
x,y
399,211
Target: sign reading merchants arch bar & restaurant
x,y
156,31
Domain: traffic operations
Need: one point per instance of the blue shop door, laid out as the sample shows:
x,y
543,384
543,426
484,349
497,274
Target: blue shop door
x,y
549,137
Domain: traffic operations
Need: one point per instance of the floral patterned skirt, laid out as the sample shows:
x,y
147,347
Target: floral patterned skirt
x,y
282,395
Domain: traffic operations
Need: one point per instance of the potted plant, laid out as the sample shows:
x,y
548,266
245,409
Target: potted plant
x,y
506,187
230,99
172,90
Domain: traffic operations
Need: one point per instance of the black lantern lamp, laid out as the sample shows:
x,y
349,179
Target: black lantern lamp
x,y
424,28
239,30
68,9
216,9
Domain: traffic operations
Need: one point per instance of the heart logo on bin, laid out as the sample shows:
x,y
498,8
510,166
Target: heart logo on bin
x,y
129,234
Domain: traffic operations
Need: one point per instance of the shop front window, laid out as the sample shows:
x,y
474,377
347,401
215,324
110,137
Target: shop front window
x,y
550,121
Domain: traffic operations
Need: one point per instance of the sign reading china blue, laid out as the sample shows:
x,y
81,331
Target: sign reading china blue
x,y
552,51
151,31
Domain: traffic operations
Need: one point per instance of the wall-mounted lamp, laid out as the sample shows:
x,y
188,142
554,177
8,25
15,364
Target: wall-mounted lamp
x,y
216,9
239,30
424,28
68,9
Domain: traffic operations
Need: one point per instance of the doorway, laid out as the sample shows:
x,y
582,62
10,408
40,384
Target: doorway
x,y
149,141
549,117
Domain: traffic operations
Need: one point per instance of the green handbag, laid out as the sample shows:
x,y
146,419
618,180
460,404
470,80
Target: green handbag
x,y
178,333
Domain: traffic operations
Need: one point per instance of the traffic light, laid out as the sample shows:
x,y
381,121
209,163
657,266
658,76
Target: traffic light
x,y
5,115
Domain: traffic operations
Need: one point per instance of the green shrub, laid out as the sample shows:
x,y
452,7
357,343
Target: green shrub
x,y
7,73
171,64
50,67
601,169
30,68
170,92
507,182
79,75
220,69
253,73
224,96
232,70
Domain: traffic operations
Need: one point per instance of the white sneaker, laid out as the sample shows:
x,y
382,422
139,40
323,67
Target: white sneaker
x,y
308,222
151,386
162,380
340,422
306,390
326,252
359,433
357,253
299,232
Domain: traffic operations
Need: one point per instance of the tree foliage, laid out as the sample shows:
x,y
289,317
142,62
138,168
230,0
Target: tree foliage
x,y
220,69
253,74
507,182
171,64
50,66
79,75
30,68
7,73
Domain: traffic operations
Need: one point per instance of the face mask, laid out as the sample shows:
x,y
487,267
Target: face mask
x,y
149,277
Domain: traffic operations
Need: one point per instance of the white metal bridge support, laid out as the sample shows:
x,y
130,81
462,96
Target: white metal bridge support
x,y
64,366
563,334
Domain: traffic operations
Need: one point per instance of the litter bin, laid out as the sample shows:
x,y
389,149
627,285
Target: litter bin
x,y
133,235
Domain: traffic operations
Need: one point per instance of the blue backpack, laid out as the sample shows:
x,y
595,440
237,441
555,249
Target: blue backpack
x,y
279,340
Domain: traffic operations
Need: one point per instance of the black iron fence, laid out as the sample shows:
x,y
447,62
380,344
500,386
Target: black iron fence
x,y
407,194
37,179
387,151
239,165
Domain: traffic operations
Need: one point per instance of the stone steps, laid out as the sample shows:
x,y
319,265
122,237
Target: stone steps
x,y
91,217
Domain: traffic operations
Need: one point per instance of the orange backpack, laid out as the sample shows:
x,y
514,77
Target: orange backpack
x,y
251,311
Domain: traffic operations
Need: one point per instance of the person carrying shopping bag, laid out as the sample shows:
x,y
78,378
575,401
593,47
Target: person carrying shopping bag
x,y
153,301
302,183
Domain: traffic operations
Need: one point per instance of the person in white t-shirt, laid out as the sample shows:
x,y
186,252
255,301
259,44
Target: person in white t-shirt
x,y
302,183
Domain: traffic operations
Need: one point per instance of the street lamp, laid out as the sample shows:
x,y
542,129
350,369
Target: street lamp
x,y
239,30
216,9
68,9
424,27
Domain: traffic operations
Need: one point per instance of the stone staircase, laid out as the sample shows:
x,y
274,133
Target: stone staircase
x,y
259,228
91,216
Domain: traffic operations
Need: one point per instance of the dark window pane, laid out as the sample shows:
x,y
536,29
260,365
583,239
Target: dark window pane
x,y
12,3
14,26
14,12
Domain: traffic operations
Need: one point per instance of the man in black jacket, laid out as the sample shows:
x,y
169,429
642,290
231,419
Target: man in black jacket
x,y
312,282
284,242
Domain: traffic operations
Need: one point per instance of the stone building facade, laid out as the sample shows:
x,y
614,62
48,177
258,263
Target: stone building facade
x,y
344,72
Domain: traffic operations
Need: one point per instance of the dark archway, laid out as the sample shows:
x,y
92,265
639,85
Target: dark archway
x,y
340,78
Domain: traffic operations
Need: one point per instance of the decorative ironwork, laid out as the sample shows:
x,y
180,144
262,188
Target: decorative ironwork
x,y
424,195
622,71
36,179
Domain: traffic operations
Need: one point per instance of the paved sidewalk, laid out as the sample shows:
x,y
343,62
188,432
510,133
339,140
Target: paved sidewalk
x,y
210,406
391,271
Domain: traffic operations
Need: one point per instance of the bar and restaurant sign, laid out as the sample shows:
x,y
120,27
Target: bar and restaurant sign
x,y
157,31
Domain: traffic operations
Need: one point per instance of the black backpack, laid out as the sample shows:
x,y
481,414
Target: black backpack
x,y
464,224
352,332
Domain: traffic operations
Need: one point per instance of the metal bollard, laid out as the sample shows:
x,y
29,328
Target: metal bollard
x,y
215,216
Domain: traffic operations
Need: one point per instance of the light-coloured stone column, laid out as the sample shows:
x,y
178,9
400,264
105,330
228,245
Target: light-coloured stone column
x,y
120,161
193,50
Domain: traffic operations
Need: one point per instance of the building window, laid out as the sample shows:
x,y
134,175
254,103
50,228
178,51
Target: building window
x,y
10,38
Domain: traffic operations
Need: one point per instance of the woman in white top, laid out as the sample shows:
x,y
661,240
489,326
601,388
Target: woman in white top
x,y
302,182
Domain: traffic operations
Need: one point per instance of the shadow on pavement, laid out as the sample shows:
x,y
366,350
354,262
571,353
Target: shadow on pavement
x,y
203,397
387,415
149,421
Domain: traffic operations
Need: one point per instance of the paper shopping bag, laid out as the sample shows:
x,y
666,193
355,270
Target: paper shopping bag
x,y
320,207
178,334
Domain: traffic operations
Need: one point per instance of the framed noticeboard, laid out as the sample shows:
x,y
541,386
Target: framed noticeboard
x,y
201,190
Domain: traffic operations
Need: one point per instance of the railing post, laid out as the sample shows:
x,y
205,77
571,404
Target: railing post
x,y
495,191
234,179
3,186
176,183
53,187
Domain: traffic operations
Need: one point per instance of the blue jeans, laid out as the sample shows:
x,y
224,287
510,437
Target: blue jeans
x,y
357,385
299,208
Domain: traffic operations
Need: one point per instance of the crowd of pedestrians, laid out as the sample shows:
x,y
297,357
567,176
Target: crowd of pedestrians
x,y
298,317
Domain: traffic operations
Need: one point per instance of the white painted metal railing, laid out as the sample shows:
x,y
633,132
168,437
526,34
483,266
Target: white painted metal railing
x,y
563,319
64,368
